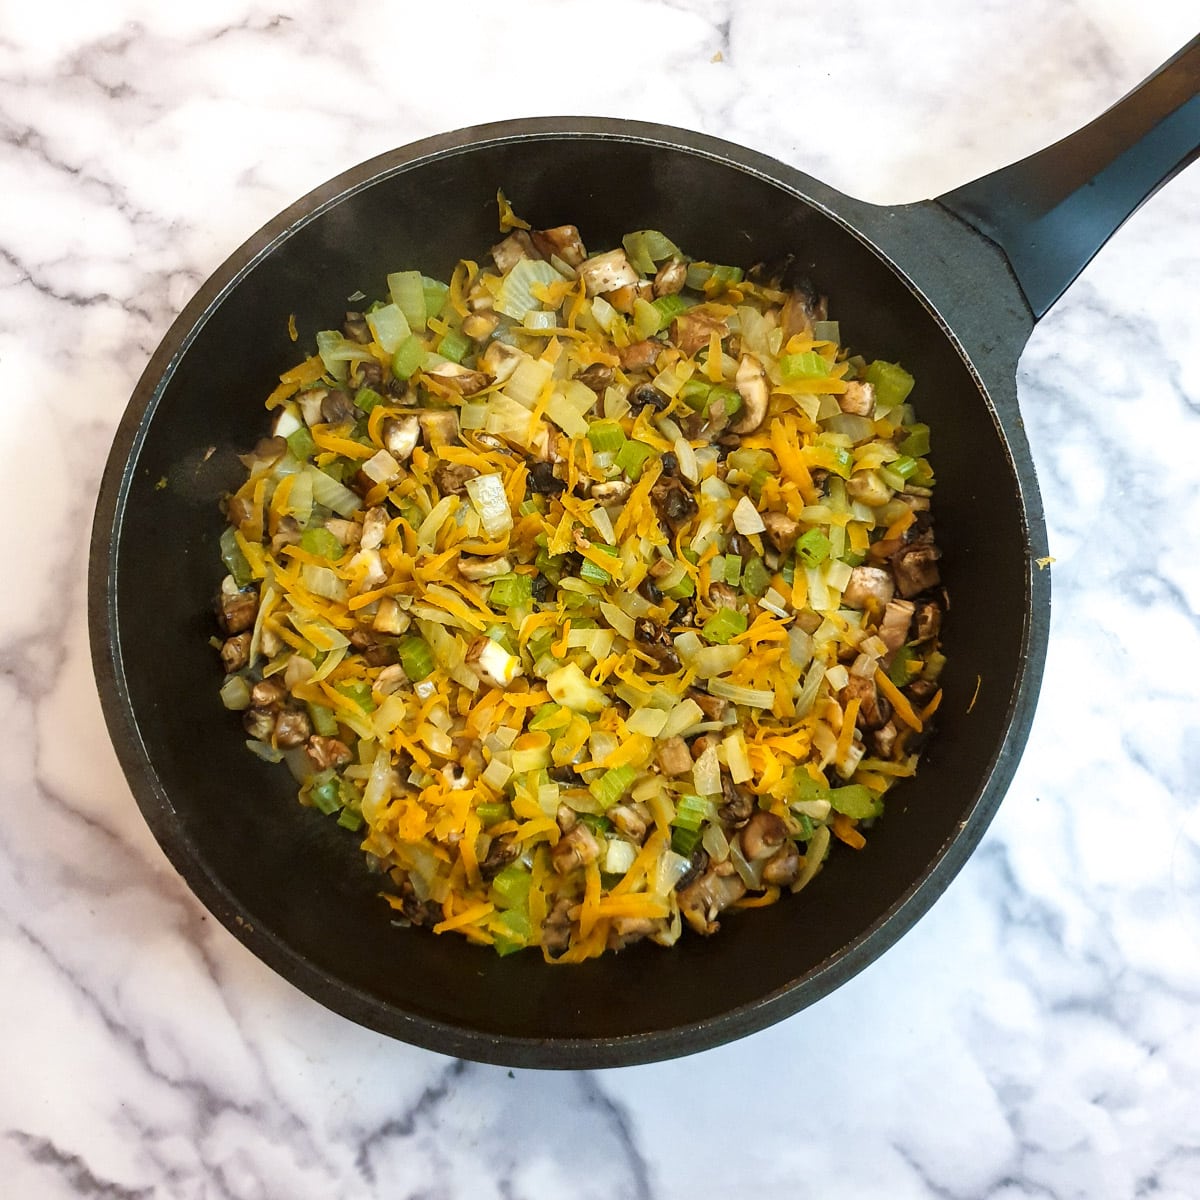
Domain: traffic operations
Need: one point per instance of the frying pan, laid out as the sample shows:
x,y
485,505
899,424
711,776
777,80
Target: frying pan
x,y
950,287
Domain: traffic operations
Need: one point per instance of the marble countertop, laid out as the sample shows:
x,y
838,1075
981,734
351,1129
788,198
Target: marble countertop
x,y
1035,1035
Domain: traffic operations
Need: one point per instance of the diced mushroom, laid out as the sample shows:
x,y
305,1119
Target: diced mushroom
x,y
237,611
355,328
646,395
492,663
751,384
873,711
438,426
500,360
927,621
574,849
615,491
267,692
235,652
374,527
801,310
457,378
640,355
763,835
691,330
885,739
629,821
476,569
624,931
563,241
390,617
625,298
783,867
674,757
782,530
671,278
858,399
346,532
556,928
915,568
292,728
712,707
721,595
337,408
893,629
543,480
367,374
418,912
288,533
501,852
512,249
674,502
259,723
451,478
868,488
704,900
390,679
606,272
400,435
738,804
869,588
326,752
596,376
478,326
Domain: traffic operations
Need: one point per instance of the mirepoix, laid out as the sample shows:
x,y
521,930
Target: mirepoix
x,y
595,591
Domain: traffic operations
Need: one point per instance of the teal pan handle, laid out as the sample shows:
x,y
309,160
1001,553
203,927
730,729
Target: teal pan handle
x,y
1051,212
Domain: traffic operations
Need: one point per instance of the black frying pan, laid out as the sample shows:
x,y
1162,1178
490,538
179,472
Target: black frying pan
x,y
950,287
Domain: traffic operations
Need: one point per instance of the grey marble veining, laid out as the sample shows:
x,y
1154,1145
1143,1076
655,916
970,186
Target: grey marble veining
x,y
1035,1037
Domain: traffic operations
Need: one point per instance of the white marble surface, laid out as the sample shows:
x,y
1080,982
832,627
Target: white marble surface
x,y
1035,1036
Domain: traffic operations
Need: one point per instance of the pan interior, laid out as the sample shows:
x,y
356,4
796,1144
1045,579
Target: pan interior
x,y
232,824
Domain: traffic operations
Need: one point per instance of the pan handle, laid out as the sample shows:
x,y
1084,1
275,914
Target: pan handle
x,y
1051,212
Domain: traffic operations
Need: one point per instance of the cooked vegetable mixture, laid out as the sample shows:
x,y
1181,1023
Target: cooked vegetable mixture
x,y
597,593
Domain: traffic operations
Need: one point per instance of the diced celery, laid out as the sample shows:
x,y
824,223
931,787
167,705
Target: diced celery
x,y
323,720
454,345
234,560
891,381
645,248
435,293
349,819
365,399
416,657
631,458
607,437
905,667
755,577
511,591
855,800
300,443
510,888
612,785
806,365
827,331
359,691
916,444
492,812
322,543
724,624
410,354
592,573
389,326
812,548
695,394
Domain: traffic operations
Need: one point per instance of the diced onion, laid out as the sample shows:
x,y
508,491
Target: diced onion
x,y
706,772
620,620
683,716
619,856
717,660
688,467
647,721
235,693
746,518
750,697
490,501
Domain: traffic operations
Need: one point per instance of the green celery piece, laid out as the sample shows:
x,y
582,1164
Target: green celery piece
x,y
812,548
906,666
612,785
511,591
435,295
647,320
684,841
410,354
323,792
695,394
724,624
682,590
300,443
323,720
904,466
234,560
806,365
360,692
733,569
755,577
733,401
366,398
631,458
891,381
691,812
349,819
916,444
322,543
855,800
454,345
491,812
606,436
827,331
517,932
594,574
806,788
510,888
416,657
669,307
